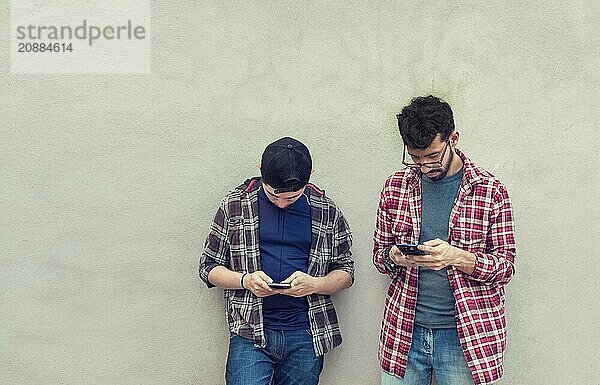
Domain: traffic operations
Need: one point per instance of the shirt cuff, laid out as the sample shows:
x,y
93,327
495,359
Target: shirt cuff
x,y
206,269
483,266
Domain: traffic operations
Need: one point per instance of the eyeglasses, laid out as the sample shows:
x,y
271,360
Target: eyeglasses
x,y
430,165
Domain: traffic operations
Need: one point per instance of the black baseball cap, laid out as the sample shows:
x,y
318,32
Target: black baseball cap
x,y
286,165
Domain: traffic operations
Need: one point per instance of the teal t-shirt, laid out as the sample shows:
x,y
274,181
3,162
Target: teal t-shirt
x,y
435,300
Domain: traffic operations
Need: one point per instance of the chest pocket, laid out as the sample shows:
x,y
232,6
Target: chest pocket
x,y
468,239
473,215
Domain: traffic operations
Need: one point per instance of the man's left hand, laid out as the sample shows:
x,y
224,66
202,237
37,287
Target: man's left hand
x,y
441,255
302,285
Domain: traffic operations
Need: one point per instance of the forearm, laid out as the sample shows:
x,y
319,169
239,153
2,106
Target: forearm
x,y
465,261
488,268
335,281
224,278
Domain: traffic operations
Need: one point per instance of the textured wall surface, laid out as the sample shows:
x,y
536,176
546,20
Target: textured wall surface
x,y
109,182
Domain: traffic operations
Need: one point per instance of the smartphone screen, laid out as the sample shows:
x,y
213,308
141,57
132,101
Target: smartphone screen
x,y
410,249
275,285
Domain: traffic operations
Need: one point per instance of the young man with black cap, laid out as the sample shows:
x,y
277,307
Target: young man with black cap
x,y
444,313
279,247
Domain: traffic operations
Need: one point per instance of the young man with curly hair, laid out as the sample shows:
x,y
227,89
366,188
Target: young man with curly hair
x,y
444,312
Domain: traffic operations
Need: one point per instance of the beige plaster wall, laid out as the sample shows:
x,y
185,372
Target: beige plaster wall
x,y
109,182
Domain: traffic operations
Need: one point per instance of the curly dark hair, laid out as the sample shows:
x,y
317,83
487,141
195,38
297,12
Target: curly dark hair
x,y
423,119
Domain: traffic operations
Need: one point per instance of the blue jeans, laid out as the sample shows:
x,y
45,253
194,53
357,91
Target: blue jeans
x,y
288,359
434,352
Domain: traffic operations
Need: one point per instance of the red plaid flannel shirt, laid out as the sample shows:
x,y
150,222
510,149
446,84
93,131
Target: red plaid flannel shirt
x,y
481,222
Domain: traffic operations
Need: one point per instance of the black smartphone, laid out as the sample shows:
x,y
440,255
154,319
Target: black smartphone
x,y
410,249
275,285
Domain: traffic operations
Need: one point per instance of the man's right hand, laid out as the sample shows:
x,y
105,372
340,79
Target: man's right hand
x,y
257,283
400,259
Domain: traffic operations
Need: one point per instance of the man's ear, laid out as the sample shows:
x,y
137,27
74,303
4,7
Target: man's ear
x,y
454,138
258,166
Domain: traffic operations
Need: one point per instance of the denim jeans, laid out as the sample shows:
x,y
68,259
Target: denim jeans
x,y
288,359
434,352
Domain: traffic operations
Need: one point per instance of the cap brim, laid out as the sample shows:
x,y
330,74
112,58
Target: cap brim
x,y
284,190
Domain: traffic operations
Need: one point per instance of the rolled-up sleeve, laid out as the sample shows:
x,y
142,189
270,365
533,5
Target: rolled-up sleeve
x,y
342,244
383,237
496,265
216,247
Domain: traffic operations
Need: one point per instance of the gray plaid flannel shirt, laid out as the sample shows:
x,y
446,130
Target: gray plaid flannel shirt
x,y
233,243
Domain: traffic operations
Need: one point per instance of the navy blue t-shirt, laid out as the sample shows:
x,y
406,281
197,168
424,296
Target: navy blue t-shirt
x,y
285,240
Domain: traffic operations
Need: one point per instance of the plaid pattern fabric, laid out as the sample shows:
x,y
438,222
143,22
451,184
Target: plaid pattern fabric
x,y
481,222
233,243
